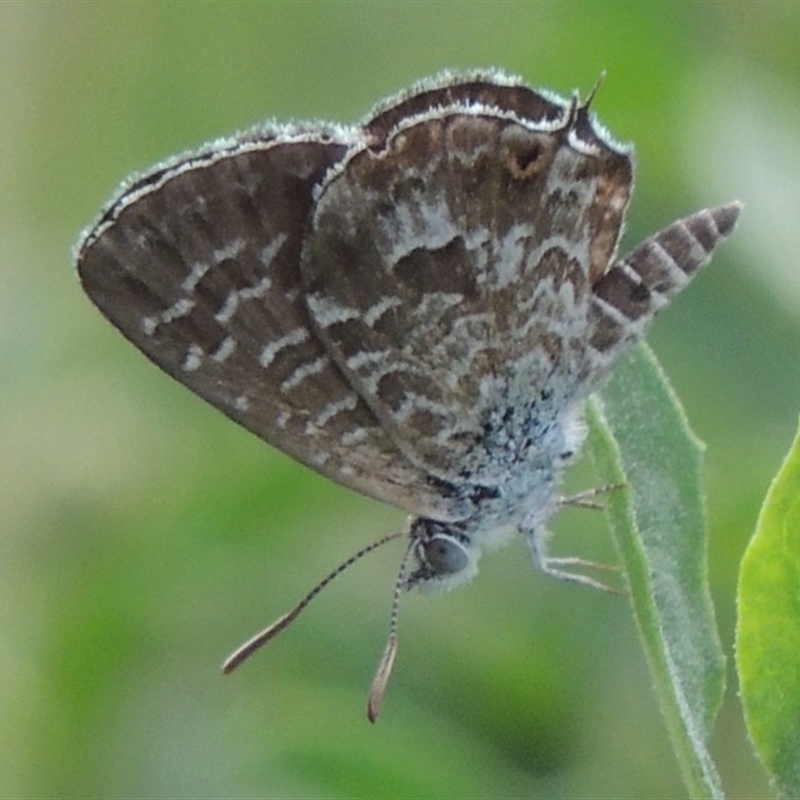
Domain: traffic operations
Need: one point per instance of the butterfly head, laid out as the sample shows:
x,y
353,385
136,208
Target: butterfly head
x,y
443,556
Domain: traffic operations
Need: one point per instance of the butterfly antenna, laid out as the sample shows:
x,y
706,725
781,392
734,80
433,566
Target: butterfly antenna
x,y
244,652
379,683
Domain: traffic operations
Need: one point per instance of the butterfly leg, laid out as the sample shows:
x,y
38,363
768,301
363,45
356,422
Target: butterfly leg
x,y
564,568
585,499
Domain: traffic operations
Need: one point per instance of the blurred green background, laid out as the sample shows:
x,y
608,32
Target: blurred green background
x,y
143,535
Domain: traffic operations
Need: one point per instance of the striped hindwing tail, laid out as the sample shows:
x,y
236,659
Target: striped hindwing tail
x,y
627,297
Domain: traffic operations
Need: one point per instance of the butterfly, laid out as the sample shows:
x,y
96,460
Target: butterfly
x,y
415,306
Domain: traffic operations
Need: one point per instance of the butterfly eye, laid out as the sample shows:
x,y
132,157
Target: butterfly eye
x,y
443,554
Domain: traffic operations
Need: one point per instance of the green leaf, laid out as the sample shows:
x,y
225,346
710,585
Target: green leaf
x,y
640,438
768,629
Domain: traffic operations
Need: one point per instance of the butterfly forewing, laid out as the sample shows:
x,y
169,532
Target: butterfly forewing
x,y
199,267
